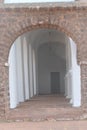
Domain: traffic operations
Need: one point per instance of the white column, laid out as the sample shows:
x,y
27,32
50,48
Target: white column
x,y
31,70
76,80
19,61
36,67
25,65
69,71
67,79
72,78
67,85
34,71
76,87
13,78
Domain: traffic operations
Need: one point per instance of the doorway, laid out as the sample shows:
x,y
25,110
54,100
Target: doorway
x,y
55,82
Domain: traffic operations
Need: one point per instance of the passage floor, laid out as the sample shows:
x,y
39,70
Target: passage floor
x,y
45,107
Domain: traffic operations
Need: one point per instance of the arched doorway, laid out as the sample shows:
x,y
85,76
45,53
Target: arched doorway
x,y
39,57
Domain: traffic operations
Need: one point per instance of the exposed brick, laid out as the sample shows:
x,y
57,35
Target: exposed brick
x,y
70,18
1,1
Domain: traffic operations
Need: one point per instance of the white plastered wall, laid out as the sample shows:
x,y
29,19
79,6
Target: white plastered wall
x,y
12,78
48,62
22,72
36,1
19,69
31,70
25,68
72,78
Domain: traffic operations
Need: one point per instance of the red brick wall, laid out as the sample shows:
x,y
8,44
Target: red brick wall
x,y
1,1
14,21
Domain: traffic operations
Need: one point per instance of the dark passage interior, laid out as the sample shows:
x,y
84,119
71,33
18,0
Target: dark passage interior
x,y
55,82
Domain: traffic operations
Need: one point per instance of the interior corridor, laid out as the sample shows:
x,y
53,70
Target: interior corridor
x,y
44,77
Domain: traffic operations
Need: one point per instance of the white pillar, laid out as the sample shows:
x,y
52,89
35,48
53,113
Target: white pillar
x,y
72,78
13,78
34,71
76,89
68,85
76,80
19,61
31,70
65,79
36,65
69,70
67,82
25,65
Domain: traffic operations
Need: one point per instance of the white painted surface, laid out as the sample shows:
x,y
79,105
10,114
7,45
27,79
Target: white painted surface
x,y
12,78
36,60
41,36
76,80
36,1
49,59
19,64
49,62
31,71
34,72
72,78
26,68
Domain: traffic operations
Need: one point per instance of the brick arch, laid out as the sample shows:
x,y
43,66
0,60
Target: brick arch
x,y
1,1
21,28
11,35
14,21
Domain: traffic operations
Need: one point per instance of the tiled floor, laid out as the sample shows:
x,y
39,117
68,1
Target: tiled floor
x,y
45,107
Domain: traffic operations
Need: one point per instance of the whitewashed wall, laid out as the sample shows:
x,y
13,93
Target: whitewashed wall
x,y
12,78
36,1
22,72
72,78
49,62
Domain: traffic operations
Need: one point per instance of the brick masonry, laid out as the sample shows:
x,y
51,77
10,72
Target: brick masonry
x,y
70,18
1,1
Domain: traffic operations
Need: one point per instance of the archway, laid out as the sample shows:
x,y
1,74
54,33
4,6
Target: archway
x,y
26,48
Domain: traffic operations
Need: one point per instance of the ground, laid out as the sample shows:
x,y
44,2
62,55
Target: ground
x,y
43,113
45,108
57,125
